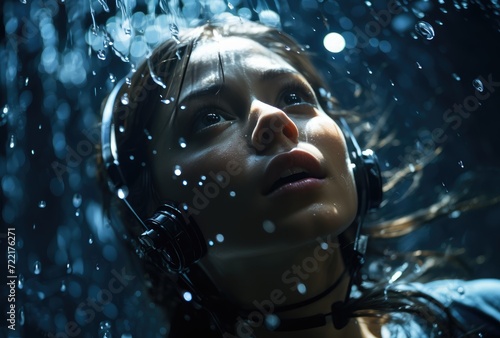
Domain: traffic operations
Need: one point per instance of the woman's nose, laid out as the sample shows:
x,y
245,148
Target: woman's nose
x,y
273,127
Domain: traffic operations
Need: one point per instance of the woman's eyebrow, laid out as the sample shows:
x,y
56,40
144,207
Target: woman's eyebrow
x,y
273,73
210,90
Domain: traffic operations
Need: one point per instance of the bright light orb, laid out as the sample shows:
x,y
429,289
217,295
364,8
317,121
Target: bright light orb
x,y
334,42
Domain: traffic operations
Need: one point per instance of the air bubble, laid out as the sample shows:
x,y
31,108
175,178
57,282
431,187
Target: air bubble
x,y
478,84
425,29
268,226
187,296
219,238
210,243
97,267
63,286
177,170
77,200
232,193
101,55
419,66
301,288
184,183
37,268
124,99
42,204
182,142
3,115
122,192
112,77
461,164
20,281
69,268
455,76
12,142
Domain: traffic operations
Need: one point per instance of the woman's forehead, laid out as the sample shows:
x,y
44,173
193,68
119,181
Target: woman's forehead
x,y
211,60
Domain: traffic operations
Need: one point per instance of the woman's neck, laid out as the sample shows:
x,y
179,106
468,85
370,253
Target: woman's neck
x,y
263,286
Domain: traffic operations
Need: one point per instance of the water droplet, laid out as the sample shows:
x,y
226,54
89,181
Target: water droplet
x,y
77,200
461,290
42,204
478,84
425,29
210,243
148,135
21,316
392,83
455,214
91,239
268,226
101,54
37,268
4,115
177,170
77,212
461,164
26,81
419,66
121,129
63,286
122,192
97,266
232,193
125,99
182,142
69,268
112,77
184,182
23,2
455,76
187,296
12,142
219,238
301,288
20,281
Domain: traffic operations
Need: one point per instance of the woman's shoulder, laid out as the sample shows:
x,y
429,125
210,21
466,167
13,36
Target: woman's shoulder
x,y
474,303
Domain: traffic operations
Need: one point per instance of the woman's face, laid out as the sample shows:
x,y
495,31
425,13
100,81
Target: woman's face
x,y
258,162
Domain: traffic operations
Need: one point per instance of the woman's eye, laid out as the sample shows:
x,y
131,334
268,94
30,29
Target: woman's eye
x,y
207,119
296,96
291,98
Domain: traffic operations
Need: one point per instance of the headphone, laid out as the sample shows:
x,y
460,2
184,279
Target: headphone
x,y
172,240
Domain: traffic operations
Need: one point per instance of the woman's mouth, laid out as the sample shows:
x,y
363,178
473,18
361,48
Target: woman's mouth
x,y
296,169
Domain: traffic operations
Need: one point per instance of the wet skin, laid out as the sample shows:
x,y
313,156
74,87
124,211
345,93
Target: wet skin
x,y
246,113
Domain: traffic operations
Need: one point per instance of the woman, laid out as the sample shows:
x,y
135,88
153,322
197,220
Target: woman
x,y
246,190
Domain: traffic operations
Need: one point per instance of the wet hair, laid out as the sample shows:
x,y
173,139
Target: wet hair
x,y
160,78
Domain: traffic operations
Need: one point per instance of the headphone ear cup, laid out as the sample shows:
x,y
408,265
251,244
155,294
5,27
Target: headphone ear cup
x,y
174,241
